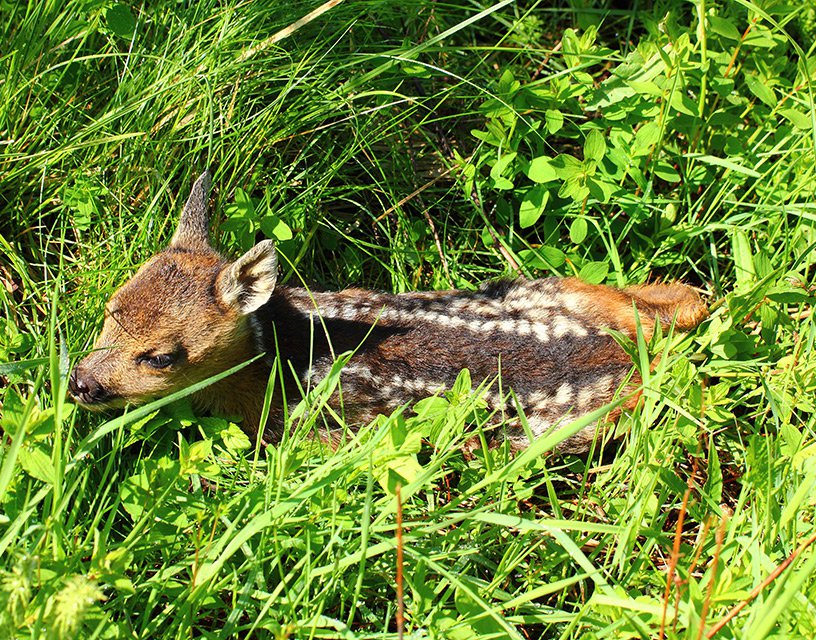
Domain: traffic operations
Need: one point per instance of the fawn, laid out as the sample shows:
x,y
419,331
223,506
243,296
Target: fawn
x,y
189,314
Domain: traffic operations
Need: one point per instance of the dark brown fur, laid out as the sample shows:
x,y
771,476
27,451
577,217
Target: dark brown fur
x,y
547,340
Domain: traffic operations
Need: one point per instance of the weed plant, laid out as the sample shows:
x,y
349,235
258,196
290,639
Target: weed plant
x,y
403,146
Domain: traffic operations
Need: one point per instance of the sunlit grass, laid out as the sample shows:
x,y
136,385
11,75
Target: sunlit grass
x,y
367,134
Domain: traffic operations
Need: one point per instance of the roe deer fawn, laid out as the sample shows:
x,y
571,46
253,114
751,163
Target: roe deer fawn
x,y
189,314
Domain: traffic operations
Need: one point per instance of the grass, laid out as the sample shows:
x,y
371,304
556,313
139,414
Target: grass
x,y
414,146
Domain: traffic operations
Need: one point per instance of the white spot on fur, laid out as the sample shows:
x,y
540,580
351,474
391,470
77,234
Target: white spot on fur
x,y
539,425
316,372
589,395
562,325
541,332
358,371
564,393
496,400
533,299
574,302
539,400
480,305
477,326
403,389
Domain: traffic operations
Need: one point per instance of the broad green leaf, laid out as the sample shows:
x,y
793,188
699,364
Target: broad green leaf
x,y
760,90
594,146
403,469
502,163
488,137
463,385
502,184
569,43
743,258
416,70
134,493
234,438
432,408
273,227
714,482
685,105
567,166
554,120
611,92
542,258
578,230
124,586
594,272
667,172
494,108
13,411
508,85
797,118
243,207
760,36
121,21
196,458
82,196
41,422
601,190
37,463
789,294
394,460
553,256
646,88
541,170
723,27
575,188
645,139
722,86
145,427
532,206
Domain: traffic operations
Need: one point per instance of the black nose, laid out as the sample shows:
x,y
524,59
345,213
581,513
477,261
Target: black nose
x,y
85,388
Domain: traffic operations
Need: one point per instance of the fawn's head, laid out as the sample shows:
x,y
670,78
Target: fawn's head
x,y
179,320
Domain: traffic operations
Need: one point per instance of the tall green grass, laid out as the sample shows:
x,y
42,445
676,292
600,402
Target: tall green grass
x,y
410,146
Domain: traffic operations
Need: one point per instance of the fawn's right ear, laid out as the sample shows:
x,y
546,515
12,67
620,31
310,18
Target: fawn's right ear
x,y
247,283
193,228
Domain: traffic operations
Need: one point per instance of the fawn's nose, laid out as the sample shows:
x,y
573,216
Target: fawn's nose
x,y
85,388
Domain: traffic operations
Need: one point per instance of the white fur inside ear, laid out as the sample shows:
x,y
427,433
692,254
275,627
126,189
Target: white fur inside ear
x,y
248,282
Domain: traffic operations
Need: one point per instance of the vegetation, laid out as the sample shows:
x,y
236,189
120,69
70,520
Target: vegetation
x,y
404,146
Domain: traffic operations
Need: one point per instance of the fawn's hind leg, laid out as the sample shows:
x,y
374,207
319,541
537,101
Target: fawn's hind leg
x,y
669,302
611,307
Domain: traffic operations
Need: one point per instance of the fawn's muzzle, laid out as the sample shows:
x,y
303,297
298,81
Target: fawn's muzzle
x,y
86,389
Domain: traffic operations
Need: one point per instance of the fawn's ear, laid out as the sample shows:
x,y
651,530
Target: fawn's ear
x,y
193,228
247,283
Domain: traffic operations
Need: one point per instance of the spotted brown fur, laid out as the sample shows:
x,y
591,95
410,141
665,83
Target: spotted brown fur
x,y
548,340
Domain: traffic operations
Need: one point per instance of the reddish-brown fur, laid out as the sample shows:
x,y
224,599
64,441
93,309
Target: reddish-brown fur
x,y
189,314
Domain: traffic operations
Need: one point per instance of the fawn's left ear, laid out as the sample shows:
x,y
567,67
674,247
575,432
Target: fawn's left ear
x,y
193,228
247,283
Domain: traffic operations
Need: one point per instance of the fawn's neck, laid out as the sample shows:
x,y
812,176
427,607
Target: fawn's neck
x,y
304,331
303,327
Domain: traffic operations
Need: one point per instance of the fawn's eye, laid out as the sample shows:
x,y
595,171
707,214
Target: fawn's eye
x,y
158,360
